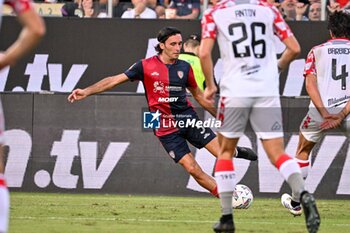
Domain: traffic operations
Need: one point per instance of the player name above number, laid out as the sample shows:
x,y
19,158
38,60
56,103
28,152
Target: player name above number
x,y
245,13
338,51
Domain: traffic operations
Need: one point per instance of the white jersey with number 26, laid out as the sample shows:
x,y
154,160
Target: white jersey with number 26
x,y
245,32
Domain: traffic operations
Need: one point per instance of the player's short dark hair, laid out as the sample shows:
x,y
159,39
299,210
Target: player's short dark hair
x,y
164,34
339,24
193,40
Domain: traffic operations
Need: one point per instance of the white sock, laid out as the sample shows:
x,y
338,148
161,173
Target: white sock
x,y
225,178
4,205
291,172
287,166
304,167
226,185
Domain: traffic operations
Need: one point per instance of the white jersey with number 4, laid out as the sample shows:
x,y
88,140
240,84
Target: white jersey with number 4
x,y
245,33
330,63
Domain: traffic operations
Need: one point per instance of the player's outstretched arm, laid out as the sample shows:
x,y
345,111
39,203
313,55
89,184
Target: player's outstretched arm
x,y
206,59
77,94
100,86
33,30
291,52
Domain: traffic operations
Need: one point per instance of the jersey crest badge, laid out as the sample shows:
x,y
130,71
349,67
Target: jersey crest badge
x,y
180,74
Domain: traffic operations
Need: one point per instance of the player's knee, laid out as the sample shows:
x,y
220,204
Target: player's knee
x,y
194,170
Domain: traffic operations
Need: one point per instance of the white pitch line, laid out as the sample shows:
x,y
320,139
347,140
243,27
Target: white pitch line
x,y
160,220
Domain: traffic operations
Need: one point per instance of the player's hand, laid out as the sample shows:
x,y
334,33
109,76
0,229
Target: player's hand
x,y
334,6
209,94
77,94
300,8
332,121
210,106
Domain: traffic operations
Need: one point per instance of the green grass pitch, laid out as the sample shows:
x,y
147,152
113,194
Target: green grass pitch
x,y
97,213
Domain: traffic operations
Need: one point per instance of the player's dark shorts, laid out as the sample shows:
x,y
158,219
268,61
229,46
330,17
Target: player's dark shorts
x,y
175,143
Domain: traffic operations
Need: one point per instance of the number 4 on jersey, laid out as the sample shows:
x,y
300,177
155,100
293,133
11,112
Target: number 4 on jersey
x,y
344,74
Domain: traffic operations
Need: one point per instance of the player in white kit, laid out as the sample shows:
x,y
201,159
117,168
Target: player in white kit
x,y
249,90
33,28
327,83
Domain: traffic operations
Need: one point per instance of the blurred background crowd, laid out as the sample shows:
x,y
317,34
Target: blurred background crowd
x,y
190,9
292,10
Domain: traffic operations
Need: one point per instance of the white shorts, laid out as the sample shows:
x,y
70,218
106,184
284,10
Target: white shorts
x,y
264,114
310,126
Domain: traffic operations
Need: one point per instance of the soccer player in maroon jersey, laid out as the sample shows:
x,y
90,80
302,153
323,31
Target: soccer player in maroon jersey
x,y
166,79
33,29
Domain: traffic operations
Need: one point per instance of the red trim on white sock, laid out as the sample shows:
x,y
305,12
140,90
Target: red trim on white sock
x,y
302,163
304,166
225,175
287,166
282,159
2,182
224,165
214,192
